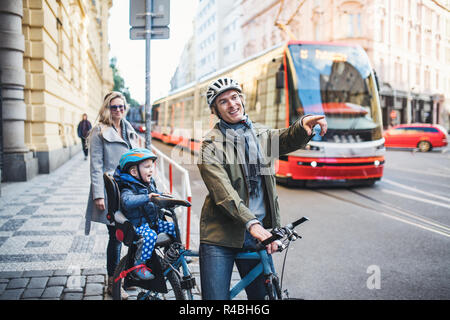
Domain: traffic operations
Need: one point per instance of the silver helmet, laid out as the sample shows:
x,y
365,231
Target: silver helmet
x,y
219,86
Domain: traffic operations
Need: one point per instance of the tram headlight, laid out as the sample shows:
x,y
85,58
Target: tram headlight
x,y
313,164
376,163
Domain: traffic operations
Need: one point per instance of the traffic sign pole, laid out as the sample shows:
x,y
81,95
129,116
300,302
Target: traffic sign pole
x,y
148,108
149,20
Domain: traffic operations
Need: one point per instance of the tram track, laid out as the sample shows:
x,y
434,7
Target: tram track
x,y
391,211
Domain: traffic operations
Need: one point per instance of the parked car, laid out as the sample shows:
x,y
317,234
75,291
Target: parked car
x,y
416,135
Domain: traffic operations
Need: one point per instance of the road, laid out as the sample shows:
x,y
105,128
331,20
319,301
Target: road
x,y
389,241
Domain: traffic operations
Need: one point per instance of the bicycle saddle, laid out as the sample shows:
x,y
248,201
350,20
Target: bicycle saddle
x,y
165,202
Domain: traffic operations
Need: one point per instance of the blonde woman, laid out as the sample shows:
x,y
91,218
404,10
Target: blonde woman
x,y
112,136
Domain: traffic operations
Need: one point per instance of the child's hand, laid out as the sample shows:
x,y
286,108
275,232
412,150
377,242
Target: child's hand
x,y
167,195
152,195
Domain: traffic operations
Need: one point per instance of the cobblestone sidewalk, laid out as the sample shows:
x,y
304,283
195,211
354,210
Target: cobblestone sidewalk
x,y
43,249
44,253
71,284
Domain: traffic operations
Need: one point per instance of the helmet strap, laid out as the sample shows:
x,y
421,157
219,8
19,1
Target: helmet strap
x,y
139,173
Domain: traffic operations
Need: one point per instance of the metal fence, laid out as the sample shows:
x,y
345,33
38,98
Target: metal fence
x,y
1,131
173,178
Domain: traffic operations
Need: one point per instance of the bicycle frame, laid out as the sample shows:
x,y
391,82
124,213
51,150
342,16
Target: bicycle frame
x,y
265,266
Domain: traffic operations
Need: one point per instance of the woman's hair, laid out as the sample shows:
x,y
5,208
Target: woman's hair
x,y
104,114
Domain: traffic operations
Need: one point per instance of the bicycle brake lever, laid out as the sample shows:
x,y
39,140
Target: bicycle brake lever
x,y
294,236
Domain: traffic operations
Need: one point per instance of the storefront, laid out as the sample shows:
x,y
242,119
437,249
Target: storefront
x,y
400,107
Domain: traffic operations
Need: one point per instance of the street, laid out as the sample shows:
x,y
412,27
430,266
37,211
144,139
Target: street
x,y
389,241
397,230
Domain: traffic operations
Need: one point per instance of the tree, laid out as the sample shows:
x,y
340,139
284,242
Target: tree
x,y
119,84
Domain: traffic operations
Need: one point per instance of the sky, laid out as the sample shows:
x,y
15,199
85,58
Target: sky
x,y
165,54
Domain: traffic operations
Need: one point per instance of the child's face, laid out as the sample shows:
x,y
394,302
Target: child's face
x,y
146,169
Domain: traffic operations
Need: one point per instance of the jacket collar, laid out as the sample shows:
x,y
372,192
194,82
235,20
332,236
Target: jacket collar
x,y
215,135
111,135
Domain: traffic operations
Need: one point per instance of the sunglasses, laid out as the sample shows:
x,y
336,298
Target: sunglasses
x,y
115,108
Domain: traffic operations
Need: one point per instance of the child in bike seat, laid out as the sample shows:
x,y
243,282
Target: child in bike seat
x,y
137,187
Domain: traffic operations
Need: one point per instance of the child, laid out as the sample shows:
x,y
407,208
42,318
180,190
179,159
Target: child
x,y
134,177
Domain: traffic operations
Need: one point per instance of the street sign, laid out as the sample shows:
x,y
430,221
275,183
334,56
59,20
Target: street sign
x,y
149,20
138,33
161,13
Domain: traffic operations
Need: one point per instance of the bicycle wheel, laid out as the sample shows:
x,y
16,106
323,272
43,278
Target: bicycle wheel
x,y
273,290
175,286
173,283
276,287
118,284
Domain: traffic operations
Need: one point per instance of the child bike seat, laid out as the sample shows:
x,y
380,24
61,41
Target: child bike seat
x,y
124,229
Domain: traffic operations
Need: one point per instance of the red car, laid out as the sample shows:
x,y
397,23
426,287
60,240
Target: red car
x,y
416,135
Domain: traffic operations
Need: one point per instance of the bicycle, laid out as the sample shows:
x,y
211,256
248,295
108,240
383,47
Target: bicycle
x,y
272,282
167,259
170,263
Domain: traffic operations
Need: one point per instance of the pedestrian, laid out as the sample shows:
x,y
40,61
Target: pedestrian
x,y
238,173
111,137
137,187
84,127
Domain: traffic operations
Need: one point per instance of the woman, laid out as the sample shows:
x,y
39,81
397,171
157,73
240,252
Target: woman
x,y
109,139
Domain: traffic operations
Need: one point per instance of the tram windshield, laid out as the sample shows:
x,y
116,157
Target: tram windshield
x,y
335,81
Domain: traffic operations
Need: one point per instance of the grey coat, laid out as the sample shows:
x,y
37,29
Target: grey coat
x,y
106,149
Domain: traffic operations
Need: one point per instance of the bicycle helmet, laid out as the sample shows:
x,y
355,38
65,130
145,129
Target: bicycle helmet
x,y
218,87
134,157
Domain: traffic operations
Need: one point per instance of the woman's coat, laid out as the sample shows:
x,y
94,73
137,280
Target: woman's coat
x,y
106,148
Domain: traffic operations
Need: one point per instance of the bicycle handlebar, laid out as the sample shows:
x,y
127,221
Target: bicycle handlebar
x,y
296,223
279,233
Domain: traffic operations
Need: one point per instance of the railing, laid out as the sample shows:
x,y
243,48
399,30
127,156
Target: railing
x,y
178,185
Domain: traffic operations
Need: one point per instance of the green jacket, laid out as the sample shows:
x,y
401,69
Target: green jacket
x,y
225,210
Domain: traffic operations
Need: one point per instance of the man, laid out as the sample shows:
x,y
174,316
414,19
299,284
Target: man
x,y
83,129
242,200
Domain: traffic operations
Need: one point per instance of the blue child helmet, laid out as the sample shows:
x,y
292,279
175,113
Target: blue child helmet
x,y
133,157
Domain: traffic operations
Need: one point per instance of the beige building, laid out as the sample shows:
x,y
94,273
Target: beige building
x,y
55,67
408,43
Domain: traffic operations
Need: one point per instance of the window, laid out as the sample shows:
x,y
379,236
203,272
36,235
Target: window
x,y
351,19
398,34
428,47
354,25
438,48
409,40
418,44
418,75
382,31
398,72
427,79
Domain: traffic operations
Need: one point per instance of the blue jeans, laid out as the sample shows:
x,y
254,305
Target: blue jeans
x,y
216,267
112,251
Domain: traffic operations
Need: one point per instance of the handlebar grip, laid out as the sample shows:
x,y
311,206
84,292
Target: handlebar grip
x,y
296,223
262,245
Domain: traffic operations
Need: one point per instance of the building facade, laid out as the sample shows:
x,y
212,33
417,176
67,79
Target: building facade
x,y
59,61
408,43
185,72
216,41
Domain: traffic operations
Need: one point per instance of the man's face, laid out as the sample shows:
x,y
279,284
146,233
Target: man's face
x,y
229,105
